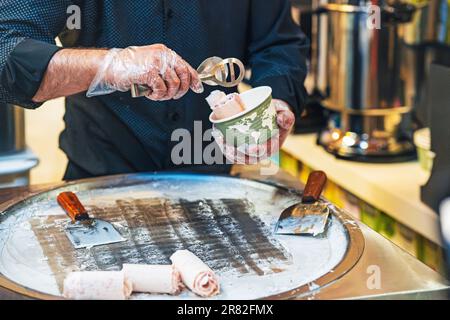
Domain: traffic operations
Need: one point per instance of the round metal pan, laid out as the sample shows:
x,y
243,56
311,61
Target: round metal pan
x,y
277,198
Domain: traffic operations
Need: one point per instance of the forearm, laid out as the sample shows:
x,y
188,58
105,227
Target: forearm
x,y
70,71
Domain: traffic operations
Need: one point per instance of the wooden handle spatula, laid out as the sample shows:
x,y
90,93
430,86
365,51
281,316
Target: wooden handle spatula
x,y
310,216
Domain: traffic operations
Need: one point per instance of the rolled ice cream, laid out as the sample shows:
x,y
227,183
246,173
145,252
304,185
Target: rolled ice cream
x,y
225,106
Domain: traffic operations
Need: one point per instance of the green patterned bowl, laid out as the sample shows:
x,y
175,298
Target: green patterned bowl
x,y
255,125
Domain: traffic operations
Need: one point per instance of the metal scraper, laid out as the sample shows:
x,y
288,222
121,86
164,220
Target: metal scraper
x,y
84,231
310,216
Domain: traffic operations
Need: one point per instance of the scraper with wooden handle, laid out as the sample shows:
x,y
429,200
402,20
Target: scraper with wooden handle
x,y
85,231
310,216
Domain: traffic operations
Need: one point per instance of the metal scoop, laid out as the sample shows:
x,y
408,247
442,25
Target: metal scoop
x,y
85,231
310,216
213,71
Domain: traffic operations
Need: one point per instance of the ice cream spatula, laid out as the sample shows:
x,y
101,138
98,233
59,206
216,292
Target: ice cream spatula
x,y
310,216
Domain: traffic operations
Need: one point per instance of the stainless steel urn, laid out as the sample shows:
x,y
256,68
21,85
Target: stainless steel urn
x,y
359,72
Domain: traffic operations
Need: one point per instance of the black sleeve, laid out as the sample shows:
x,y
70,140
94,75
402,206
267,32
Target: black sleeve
x,y
25,68
277,52
27,33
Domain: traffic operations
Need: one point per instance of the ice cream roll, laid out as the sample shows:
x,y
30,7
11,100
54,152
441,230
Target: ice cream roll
x,y
153,278
215,98
225,106
196,275
97,285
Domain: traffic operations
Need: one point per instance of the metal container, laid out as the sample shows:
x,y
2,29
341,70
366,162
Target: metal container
x,y
15,169
429,24
15,160
426,39
358,75
12,129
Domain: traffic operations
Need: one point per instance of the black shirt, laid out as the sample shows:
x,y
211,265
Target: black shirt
x,y
115,133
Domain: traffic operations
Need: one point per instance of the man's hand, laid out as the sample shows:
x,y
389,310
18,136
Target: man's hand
x,y
256,153
72,71
156,66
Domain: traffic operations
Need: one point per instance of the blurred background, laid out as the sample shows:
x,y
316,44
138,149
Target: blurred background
x,y
42,132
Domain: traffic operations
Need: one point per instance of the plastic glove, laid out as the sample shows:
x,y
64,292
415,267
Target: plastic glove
x,y
161,69
252,154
